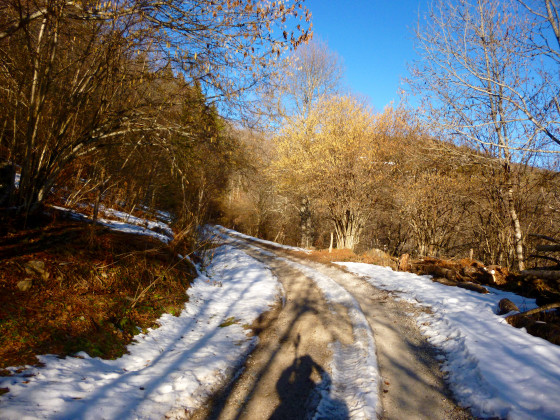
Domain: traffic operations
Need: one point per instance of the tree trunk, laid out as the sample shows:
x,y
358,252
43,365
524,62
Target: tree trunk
x,y
537,310
347,229
518,236
97,204
543,274
505,306
305,223
548,248
7,181
100,191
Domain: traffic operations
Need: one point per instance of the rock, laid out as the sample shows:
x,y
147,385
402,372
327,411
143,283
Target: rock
x,y
35,266
506,306
25,285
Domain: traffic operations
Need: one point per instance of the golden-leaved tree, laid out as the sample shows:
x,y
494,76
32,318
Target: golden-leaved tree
x,y
334,156
301,80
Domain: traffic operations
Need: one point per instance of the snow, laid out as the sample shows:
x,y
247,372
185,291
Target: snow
x,y
169,369
233,233
354,367
493,368
137,221
136,229
160,214
127,224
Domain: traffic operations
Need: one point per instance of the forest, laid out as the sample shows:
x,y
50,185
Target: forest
x,y
470,171
196,203
231,112
240,131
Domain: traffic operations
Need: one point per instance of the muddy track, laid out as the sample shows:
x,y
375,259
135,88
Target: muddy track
x,y
289,374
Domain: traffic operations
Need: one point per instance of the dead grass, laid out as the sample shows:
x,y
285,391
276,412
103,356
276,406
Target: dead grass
x,y
347,255
102,287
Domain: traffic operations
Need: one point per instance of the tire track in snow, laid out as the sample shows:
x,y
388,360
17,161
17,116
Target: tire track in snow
x,y
354,367
355,375
409,367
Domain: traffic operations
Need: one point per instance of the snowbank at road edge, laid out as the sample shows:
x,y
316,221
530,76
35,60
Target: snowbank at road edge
x,y
494,368
169,369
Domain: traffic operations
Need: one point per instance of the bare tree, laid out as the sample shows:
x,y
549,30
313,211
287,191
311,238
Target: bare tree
x,y
540,100
78,76
305,77
474,68
431,204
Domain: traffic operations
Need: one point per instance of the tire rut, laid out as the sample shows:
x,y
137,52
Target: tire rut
x,y
288,374
412,383
289,370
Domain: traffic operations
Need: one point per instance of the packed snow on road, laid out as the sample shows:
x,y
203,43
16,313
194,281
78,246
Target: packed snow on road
x,y
494,369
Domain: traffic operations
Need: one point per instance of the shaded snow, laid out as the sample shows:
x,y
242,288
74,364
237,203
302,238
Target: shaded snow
x,y
494,368
168,369
229,232
155,226
136,229
127,224
355,375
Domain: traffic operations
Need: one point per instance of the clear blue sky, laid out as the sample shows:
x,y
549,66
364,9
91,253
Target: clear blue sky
x,y
374,39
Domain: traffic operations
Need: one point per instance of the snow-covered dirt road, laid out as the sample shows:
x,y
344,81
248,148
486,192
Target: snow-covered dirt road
x,y
327,326
332,344
495,370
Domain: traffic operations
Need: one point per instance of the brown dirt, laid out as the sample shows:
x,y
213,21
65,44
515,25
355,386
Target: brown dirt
x,y
88,300
347,255
281,376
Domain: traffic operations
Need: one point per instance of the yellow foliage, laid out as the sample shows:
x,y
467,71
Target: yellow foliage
x,y
334,148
